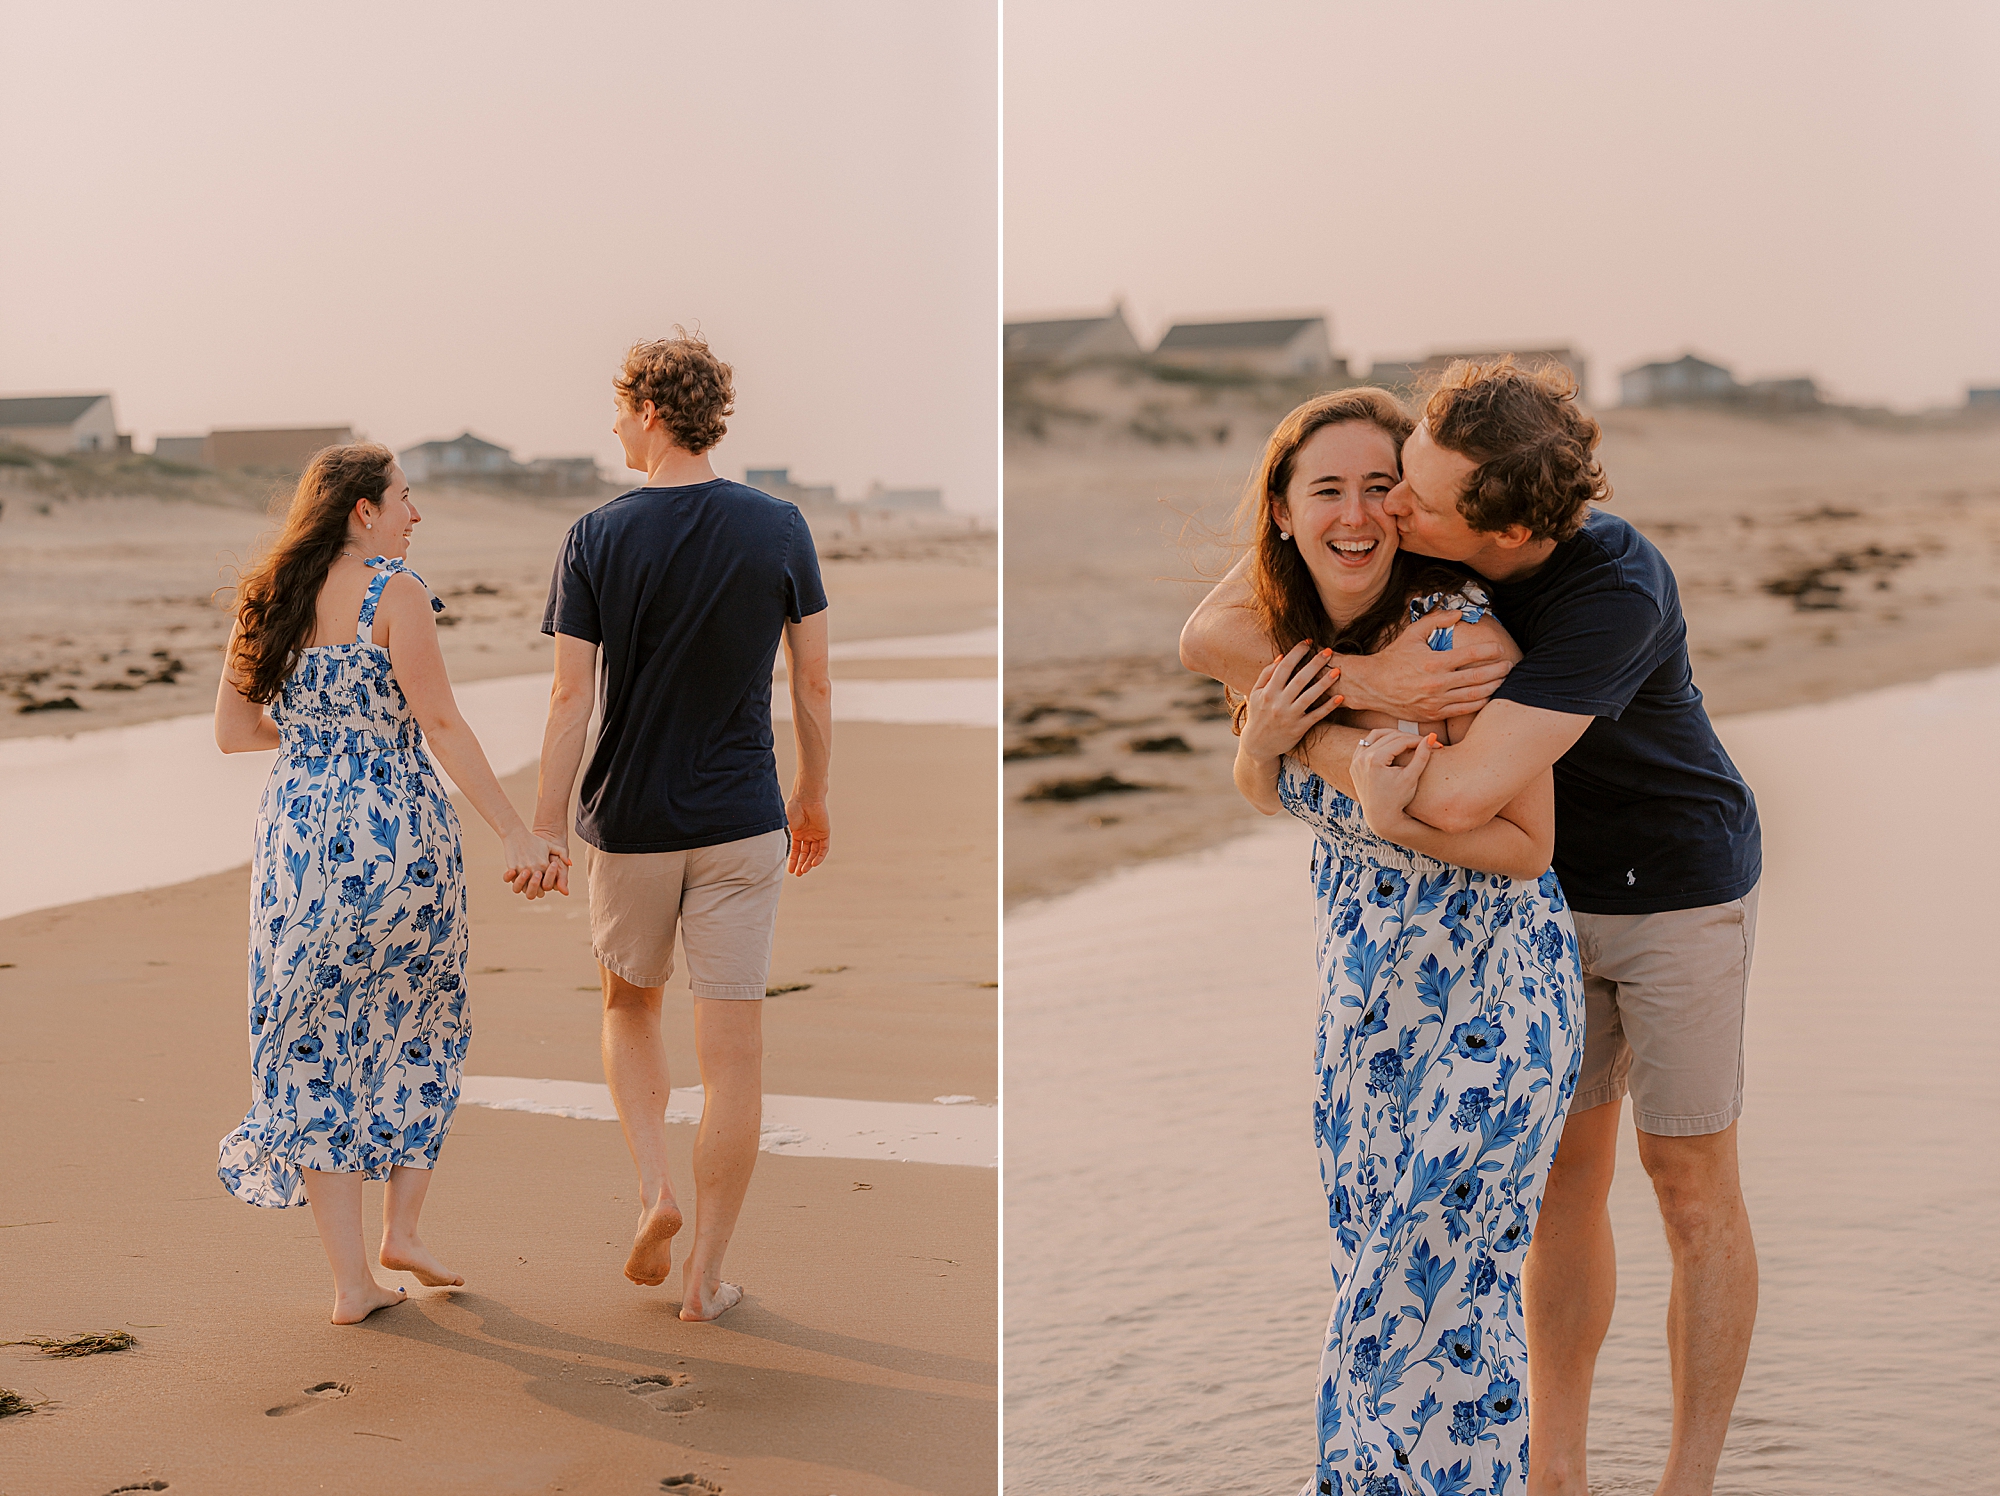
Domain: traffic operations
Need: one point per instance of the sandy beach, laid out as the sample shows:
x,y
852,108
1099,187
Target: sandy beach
x,y
865,1356
1818,555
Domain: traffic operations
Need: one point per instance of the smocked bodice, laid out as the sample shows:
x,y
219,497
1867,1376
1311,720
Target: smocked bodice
x,y
343,699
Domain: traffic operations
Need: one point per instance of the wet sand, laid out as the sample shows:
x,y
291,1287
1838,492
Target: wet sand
x,y
864,1358
1880,537
1166,1273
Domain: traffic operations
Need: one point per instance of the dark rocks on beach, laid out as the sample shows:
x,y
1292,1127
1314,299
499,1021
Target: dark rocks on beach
x,y
1044,745
54,704
1811,589
1173,742
1084,788
1212,705
1080,716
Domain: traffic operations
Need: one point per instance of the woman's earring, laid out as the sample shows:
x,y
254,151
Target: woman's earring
x,y
1284,535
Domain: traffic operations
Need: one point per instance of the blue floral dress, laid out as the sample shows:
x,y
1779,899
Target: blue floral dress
x,y
1450,1034
358,1028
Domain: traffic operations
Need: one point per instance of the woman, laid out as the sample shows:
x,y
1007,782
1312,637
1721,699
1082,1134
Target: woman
x,y
1451,1000
358,1026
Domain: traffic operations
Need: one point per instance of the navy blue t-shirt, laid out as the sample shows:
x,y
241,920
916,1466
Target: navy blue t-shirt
x,y
686,591
1650,813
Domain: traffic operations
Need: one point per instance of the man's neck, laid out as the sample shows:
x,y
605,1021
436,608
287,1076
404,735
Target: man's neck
x,y
1512,563
678,468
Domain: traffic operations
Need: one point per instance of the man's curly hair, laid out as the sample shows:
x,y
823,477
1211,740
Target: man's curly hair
x,y
689,386
1534,445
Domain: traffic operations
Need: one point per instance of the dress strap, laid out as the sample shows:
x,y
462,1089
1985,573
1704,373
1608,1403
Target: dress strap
x,y
1469,601
384,568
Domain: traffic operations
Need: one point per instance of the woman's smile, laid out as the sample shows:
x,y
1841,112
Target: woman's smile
x,y
1333,511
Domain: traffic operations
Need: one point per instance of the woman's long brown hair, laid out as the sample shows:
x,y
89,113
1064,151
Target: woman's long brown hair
x,y
276,604
1287,602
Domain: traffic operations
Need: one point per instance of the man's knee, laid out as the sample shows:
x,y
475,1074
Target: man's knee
x,y
729,1031
623,997
1587,1155
1694,1179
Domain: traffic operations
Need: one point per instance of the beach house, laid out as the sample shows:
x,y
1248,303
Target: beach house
x,y
464,456
911,500
1409,373
1677,382
279,448
777,482
1278,346
1054,342
56,424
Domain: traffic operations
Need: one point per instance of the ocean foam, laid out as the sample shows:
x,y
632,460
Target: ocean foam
x,y
801,1126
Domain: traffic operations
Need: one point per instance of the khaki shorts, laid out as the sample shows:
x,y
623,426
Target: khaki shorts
x,y
1664,997
724,899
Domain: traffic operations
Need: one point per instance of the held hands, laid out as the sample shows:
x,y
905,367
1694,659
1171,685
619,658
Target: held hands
x,y
1383,788
812,832
1412,682
535,863
1288,701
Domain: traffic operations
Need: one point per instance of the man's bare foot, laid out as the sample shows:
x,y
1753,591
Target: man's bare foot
x,y
653,1245
409,1255
699,1304
352,1309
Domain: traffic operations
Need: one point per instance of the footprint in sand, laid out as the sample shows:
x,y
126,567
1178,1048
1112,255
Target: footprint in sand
x,y
690,1483
665,1393
319,1392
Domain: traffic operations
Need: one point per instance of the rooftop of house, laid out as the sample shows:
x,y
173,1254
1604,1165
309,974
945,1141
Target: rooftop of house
x,y
45,410
464,439
1273,333
1684,359
1048,336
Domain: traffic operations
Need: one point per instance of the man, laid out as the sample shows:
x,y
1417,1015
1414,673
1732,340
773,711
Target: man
x,y
685,585
1657,847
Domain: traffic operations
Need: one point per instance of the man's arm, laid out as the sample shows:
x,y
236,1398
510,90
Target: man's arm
x,y
1468,783
1224,638
570,701
812,727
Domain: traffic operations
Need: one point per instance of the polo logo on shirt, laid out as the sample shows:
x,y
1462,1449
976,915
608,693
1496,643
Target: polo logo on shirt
x,y
1631,877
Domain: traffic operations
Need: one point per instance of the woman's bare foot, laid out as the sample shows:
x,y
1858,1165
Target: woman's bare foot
x,y
351,1309
653,1245
409,1255
700,1304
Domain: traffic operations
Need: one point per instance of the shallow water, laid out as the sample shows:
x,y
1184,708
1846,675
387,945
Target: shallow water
x,y
1165,1274
125,808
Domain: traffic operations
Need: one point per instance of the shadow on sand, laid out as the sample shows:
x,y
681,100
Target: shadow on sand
x,y
909,1436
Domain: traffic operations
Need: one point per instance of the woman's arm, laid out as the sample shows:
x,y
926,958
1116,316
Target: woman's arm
x,y
1518,842
405,614
1284,705
241,725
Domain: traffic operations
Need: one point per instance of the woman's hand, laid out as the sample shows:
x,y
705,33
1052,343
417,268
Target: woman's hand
x,y
1384,789
1286,703
534,866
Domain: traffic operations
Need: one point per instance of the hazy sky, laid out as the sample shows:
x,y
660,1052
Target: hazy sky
x,y
1805,187
421,217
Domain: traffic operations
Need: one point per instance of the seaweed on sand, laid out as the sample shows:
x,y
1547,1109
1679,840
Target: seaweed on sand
x,y
11,1402
80,1345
